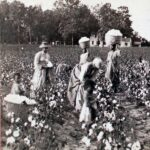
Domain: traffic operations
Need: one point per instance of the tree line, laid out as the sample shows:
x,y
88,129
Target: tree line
x,y
66,22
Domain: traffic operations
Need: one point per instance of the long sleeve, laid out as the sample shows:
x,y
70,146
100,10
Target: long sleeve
x,y
37,61
84,69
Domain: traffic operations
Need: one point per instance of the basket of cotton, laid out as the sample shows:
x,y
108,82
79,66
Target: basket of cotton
x,y
113,37
18,105
84,42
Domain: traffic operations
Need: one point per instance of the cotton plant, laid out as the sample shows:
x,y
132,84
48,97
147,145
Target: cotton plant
x,y
110,127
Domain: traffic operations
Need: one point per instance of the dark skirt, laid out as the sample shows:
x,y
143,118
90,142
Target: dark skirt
x,y
115,79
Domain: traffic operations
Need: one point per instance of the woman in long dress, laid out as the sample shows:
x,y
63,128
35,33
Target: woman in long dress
x,y
41,65
112,70
74,83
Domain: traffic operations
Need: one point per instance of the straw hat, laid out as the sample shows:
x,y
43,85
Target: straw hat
x,y
43,45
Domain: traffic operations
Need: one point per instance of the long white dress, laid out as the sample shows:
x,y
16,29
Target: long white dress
x,y
111,63
39,75
75,90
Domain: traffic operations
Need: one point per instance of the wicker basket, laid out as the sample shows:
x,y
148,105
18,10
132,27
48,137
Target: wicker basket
x,y
113,39
20,110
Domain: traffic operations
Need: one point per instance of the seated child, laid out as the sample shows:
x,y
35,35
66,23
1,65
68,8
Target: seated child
x,y
18,87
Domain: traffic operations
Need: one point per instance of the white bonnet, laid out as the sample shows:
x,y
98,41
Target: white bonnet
x,y
97,61
84,39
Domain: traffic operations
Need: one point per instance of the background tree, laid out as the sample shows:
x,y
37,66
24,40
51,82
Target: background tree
x,y
76,20
109,18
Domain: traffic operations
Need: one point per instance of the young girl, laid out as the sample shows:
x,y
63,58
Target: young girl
x,y
18,87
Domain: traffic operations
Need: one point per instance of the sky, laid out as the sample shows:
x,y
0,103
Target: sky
x,y
138,9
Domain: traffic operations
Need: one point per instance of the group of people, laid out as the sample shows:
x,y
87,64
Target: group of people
x,y
82,78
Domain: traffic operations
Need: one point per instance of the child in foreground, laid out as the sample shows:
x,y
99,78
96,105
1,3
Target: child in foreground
x,y
18,87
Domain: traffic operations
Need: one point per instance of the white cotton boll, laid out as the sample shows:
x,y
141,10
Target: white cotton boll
x,y
25,124
98,96
59,94
9,114
33,123
108,127
46,126
17,120
41,124
123,118
96,118
113,115
94,92
100,136
114,101
94,125
27,141
12,120
90,132
62,100
107,145
103,99
148,114
30,118
136,146
16,133
99,88
8,132
83,126
129,145
52,104
86,141
35,111
10,140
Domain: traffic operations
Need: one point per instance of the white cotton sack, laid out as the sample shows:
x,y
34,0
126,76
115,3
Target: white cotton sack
x,y
49,64
85,114
17,99
113,37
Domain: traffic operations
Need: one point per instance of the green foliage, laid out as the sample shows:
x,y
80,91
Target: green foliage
x,y
67,22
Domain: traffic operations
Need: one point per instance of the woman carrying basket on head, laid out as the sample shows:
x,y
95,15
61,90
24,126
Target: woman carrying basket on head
x,y
113,39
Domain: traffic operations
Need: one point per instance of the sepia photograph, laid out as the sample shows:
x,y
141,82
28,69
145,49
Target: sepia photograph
x,y
75,74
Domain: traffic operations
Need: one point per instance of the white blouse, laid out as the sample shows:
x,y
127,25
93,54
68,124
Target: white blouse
x,y
112,55
40,56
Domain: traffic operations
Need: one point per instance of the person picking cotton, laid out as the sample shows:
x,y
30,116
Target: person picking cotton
x,y
113,39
